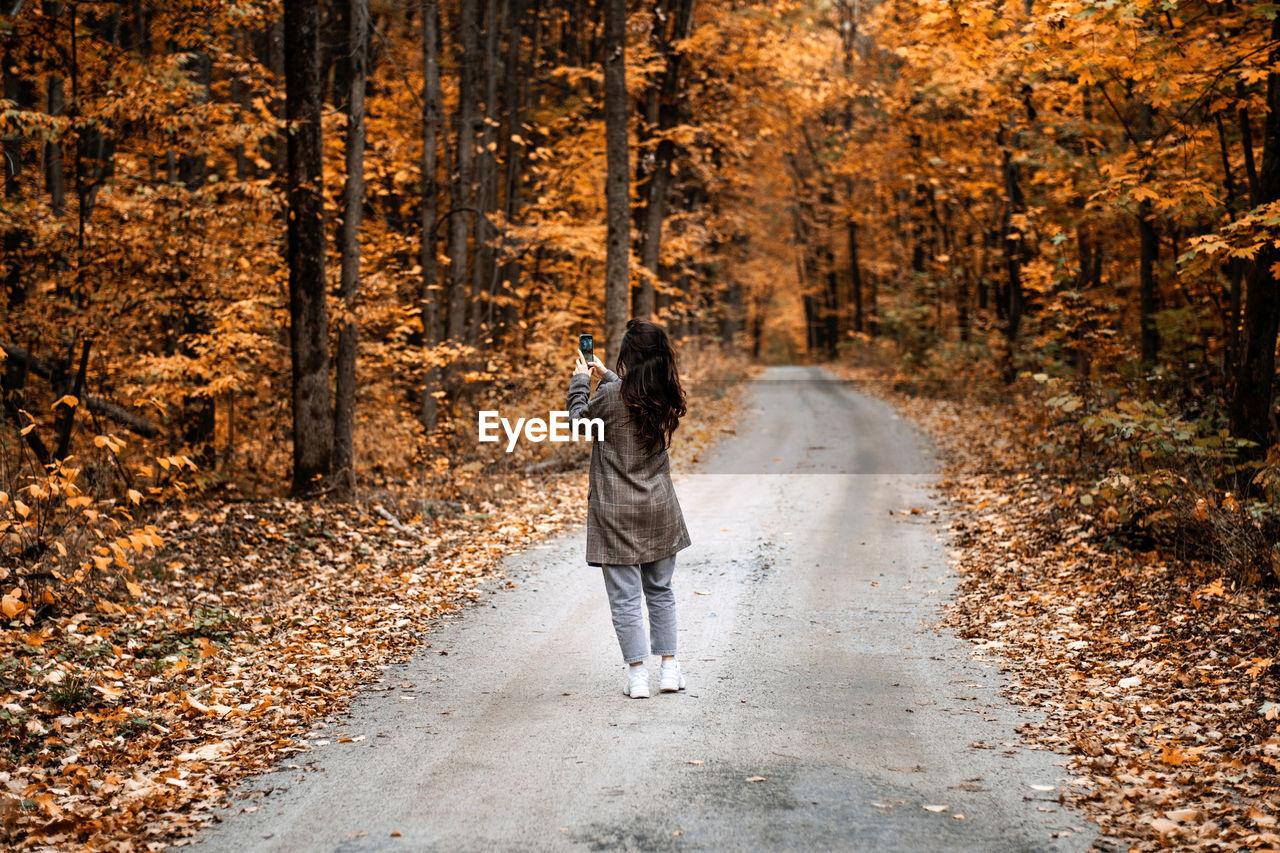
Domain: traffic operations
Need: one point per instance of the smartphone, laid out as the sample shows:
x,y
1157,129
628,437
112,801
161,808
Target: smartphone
x,y
587,345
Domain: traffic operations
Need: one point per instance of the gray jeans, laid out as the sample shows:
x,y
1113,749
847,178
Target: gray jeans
x,y
624,585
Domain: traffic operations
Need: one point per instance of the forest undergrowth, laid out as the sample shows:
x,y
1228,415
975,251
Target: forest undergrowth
x,y
1138,623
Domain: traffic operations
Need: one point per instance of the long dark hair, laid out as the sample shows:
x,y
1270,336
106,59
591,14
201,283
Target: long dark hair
x,y
651,386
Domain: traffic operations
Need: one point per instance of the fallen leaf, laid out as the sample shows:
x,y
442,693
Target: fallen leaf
x,y
109,693
11,605
194,704
207,752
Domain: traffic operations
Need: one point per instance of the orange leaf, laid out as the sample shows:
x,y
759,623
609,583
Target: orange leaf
x,y
11,605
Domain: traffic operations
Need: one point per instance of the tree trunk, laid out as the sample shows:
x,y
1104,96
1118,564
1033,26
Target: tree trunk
x,y
13,379
1234,267
65,419
731,315
54,168
667,95
618,246
239,97
276,62
848,21
193,168
1250,168
517,92
312,416
462,193
855,267
654,213
352,212
873,319
1235,273
1147,257
1013,249
429,287
831,309
921,238
16,90
1251,415
335,52
964,291
16,237
55,175
487,176
1148,252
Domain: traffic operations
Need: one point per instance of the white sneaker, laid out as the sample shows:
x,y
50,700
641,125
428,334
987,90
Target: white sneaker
x,y
672,678
637,682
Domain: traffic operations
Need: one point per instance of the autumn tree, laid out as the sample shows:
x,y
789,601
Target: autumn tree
x,y
617,279
352,214
309,333
670,25
462,188
166,158
428,283
1252,414
1027,171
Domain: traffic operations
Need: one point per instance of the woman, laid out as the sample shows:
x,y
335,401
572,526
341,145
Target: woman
x,y
634,523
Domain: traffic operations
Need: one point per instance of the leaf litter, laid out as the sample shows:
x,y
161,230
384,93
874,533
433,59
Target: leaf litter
x,y
1153,674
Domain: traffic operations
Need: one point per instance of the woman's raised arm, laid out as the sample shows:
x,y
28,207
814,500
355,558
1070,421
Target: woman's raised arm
x,y
579,400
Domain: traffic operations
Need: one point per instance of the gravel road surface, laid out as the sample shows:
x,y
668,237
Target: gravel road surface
x,y
808,607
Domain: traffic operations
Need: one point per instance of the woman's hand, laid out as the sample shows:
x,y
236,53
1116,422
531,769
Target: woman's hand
x,y
596,368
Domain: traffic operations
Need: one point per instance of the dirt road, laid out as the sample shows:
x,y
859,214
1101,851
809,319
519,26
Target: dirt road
x,y
807,609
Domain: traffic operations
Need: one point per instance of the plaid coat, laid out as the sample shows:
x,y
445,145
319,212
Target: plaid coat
x,y
632,513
